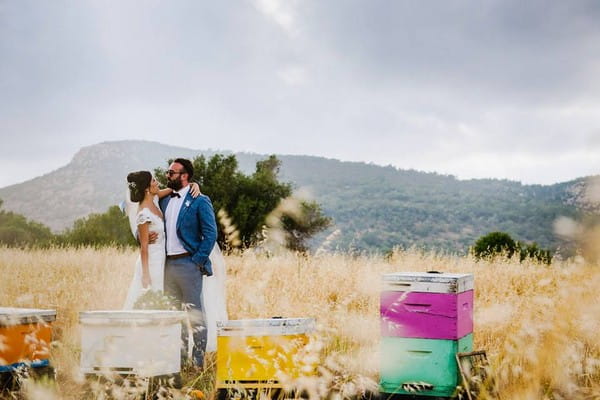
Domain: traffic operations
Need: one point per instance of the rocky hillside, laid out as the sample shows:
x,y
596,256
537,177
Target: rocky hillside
x,y
374,207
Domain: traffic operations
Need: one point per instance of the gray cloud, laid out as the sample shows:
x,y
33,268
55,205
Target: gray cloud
x,y
439,86
511,47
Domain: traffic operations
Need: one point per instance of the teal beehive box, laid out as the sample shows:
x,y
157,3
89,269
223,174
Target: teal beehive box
x,y
424,367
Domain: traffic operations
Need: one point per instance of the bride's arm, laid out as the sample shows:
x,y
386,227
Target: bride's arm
x,y
194,191
143,231
164,192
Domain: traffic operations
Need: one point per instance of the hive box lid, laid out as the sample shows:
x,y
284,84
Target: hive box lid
x,y
433,282
131,317
17,316
265,327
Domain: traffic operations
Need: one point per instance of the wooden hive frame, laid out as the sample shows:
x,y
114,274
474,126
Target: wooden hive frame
x,y
473,367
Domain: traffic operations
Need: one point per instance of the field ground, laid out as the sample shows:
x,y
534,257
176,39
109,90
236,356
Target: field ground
x,y
539,324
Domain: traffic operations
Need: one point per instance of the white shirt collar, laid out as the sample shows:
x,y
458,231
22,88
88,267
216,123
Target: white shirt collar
x,y
183,191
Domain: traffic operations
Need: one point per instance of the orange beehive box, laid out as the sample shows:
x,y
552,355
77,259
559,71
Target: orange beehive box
x,y
25,336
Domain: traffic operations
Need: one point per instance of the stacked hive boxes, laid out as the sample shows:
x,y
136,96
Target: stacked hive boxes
x,y
255,354
25,336
426,318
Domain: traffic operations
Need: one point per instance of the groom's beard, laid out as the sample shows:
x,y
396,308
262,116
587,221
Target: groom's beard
x,y
175,184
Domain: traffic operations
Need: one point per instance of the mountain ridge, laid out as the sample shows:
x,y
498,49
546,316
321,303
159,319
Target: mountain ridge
x,y
374,207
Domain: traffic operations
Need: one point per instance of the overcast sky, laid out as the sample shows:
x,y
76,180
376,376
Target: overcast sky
x,y
502,89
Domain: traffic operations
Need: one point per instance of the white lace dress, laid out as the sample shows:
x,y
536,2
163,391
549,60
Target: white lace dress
x,y
156,259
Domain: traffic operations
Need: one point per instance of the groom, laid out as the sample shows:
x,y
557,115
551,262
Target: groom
x,y
191,233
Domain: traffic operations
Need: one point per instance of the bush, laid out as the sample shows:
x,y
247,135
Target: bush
x,y
500,243
494,244
534,251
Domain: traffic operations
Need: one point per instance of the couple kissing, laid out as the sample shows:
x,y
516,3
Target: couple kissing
x,y
177,231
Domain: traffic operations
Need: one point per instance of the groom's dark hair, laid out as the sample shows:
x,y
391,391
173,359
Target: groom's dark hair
x,y
187,167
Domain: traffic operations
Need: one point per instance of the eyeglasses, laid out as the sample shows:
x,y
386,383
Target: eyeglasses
x,y
171,172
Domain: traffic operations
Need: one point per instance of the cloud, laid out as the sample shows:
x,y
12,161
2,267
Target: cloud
x,y
293,75
494,48
504,88
280,12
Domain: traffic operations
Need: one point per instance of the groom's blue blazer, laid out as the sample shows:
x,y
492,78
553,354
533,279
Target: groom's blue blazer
x,y
196,228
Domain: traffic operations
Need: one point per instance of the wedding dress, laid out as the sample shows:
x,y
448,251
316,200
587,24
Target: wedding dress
x,y
156,259
213,287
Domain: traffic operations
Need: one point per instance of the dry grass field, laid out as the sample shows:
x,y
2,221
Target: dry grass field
x,y
540,325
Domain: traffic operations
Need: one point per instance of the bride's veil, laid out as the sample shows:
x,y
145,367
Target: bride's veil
x,y
131,209
214,297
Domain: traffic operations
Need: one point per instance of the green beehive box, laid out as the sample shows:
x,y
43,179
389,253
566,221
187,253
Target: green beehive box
x,y
425,367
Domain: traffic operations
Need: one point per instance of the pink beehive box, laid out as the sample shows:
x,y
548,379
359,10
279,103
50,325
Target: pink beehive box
x,y
427,305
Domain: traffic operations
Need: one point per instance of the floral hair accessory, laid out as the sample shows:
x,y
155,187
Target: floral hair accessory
x,y
132,185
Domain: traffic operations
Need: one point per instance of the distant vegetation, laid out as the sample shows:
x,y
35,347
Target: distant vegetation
x,y
16,230
377,208
371,208
97,230
245,202
502,244
107,229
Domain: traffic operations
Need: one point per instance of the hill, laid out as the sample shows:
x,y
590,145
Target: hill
x,y
373,207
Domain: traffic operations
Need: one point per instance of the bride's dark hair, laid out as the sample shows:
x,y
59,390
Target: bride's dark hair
x,y
138,182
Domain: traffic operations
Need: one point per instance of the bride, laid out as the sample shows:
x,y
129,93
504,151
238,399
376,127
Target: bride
x,y
146,222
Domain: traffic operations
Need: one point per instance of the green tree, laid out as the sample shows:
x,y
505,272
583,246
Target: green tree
x,y
249,199
493,244
107,229
16,230
302,226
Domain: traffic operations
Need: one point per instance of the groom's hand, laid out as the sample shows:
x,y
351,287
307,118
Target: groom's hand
x,y
152,236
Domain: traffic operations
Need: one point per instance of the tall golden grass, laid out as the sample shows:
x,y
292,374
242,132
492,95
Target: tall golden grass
x,y
540,325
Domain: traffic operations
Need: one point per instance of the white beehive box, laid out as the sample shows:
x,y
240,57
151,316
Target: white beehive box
x,y
17,316
137,342
428,282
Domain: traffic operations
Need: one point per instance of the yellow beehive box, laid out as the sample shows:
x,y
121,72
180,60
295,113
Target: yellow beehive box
x,y
25,336
260,352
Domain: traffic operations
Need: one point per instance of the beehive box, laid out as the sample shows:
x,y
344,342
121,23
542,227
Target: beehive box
x,y
258,352
425,367
427,305
433,282
146,343
25,337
